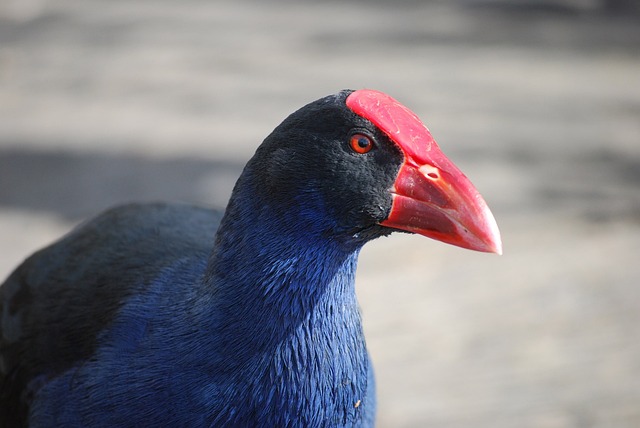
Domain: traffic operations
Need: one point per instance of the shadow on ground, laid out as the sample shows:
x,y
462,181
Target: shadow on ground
x,y
76,185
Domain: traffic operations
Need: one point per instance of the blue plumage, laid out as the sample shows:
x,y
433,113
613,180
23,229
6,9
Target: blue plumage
x,y
274,336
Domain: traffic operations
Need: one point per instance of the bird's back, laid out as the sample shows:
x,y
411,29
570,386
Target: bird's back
x,y
54,305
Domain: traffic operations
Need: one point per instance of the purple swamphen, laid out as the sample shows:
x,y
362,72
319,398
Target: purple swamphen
x,y
178,316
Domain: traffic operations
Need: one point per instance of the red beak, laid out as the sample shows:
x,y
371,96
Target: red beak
x,y
431,196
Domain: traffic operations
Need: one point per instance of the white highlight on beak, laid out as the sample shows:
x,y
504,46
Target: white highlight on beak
x,y
430,172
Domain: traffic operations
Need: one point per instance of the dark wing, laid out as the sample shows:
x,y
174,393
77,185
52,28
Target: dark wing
x,y
54,305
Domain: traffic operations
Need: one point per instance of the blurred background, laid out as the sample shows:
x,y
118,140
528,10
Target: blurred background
x,y
104,102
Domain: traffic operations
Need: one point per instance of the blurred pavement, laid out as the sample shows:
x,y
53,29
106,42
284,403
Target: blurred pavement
x,y
103,102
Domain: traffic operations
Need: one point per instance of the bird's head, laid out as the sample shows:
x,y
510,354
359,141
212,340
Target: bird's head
x,y
358,165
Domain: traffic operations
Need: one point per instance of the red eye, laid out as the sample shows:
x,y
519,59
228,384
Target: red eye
x,y
360,143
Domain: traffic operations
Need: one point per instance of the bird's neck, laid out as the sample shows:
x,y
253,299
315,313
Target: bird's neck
x,y
285,306
271,274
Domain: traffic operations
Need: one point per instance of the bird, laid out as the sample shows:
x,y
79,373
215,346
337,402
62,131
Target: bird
x,y
168,314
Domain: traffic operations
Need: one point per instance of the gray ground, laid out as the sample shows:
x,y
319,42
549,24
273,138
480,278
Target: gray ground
x,y
103,102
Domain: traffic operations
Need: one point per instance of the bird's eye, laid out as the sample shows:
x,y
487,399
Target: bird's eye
x,y
361,143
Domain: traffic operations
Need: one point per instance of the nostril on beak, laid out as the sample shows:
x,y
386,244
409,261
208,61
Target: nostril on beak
x,y
430,172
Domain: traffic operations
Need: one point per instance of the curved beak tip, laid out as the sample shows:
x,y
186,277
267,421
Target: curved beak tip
x,y
495,245
497,248
491,237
